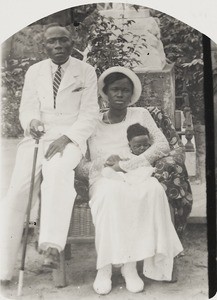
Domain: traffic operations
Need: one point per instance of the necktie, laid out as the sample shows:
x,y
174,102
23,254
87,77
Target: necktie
x,y
56,83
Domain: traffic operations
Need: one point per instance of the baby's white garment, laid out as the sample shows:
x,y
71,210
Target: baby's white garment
x,y
132,177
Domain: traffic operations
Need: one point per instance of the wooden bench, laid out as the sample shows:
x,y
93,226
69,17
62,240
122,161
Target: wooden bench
x,y
81,230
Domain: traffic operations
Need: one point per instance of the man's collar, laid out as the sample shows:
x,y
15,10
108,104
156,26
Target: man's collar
x,y
63,66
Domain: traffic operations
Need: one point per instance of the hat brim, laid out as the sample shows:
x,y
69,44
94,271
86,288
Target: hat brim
x,y
137,90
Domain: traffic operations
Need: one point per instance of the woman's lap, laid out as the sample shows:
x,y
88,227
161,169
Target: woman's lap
x,y
126,219
120,196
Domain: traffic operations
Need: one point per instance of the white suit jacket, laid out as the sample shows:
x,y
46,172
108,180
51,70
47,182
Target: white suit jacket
x,y
77,108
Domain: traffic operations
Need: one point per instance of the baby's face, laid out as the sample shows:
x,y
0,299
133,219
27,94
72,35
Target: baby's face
x,y
139,144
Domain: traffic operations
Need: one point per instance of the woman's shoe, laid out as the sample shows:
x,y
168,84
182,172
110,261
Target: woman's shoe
x,y
134,283
103,284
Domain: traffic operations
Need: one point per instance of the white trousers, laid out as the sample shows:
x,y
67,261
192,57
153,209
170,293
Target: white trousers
x,y
57,199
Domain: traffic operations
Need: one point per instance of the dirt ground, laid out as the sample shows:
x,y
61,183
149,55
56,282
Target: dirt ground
x,y
192,275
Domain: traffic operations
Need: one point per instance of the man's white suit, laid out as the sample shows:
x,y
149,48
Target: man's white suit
x,y
75,116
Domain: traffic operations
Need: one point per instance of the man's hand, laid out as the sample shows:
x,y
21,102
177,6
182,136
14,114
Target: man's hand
x,y
112,160
57,146
36,129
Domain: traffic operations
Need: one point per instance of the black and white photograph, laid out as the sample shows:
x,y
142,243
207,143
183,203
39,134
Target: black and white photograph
x,y
108,157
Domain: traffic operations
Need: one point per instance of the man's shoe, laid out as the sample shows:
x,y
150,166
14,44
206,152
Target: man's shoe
x,y
52,258
4,288
134,283
103,284
5,282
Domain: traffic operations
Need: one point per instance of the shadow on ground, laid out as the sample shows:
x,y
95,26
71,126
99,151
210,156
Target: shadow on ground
x,y
192,275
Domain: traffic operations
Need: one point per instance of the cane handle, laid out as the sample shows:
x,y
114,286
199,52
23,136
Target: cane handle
x,y
40,128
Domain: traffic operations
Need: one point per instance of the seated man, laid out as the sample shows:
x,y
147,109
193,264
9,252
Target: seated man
x,y
60,98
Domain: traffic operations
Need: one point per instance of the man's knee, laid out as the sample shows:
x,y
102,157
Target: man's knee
x,y
71,156
56,167
60,164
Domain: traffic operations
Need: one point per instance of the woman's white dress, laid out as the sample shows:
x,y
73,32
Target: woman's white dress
x,y
132,222
132,177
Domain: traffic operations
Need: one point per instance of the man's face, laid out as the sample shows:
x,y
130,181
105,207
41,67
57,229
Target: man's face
x,y
58,44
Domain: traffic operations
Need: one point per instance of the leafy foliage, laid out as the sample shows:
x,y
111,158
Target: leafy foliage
x,y
183,45
28,42
103,44
12,82
106,43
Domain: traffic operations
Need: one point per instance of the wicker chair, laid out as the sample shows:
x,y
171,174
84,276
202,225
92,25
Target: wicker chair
x,y
171,173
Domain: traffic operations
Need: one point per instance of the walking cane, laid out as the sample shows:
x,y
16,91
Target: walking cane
x,y
21,273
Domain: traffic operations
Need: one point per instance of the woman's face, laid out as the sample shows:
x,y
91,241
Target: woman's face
x,y
119,93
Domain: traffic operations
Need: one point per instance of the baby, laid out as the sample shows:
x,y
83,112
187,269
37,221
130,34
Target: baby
x,y
139,141
138,138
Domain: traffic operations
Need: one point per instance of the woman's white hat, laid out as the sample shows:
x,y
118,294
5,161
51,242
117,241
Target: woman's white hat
x,y
135,79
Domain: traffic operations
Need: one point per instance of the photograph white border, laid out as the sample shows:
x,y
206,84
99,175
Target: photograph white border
x,y
15,15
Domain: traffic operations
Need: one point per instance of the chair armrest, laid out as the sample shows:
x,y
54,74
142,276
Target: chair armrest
x,y
166,126
178,154
82,169
82,181
170,163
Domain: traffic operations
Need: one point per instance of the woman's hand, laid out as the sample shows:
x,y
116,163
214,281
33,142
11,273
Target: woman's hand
x,y
112,160
117,168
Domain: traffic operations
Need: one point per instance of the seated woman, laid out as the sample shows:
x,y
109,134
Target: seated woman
x,y
132,222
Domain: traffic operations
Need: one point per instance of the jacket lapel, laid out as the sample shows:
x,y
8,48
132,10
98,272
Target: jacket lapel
x,y
70,76
46,82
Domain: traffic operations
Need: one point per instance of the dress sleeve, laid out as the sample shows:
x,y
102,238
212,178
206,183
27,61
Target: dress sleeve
x,y
159,146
